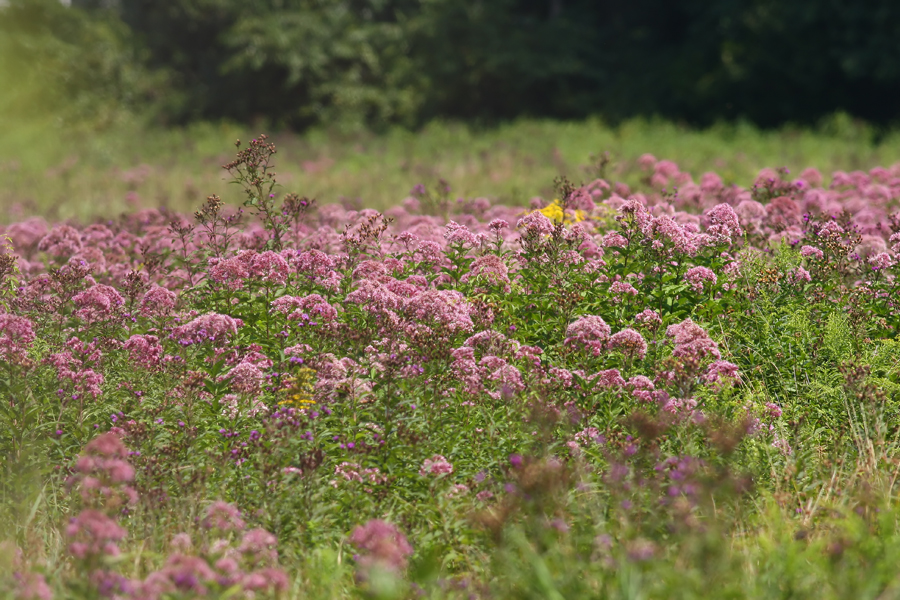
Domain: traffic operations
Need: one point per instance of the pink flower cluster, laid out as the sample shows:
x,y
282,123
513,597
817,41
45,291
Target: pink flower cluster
x,y
76,365
307,310
492,373
380,545
223,516
351,472
103,473
93,534
16,336
436,465
145,350
158,301
699,277
97,303
491,270
589,332
630,343
251,568
211,327
691,341
103,470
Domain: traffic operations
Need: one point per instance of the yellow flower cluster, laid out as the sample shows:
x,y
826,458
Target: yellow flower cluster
x,y
299,389
554,211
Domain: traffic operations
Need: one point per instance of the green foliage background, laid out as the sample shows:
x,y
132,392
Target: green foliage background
x,y
374,63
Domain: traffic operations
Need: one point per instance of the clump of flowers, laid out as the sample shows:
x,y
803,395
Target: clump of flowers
x,y
436,465
380,545
103,474
223,516
630,343
590,333
157,301
302,360
246,378
211,327
700,277
691,341
16,336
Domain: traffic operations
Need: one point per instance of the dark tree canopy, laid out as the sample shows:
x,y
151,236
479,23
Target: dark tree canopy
x,y
377,62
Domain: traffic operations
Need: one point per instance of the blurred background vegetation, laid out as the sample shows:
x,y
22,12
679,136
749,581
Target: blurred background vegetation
x,y
300,63
106,85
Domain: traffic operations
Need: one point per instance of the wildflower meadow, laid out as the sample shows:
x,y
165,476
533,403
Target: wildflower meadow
x,y
677,388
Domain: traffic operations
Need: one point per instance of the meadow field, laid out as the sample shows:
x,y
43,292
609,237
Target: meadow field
x,y
547,361
88,174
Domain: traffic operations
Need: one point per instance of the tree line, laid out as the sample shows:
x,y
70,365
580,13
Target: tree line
x,y
301,63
